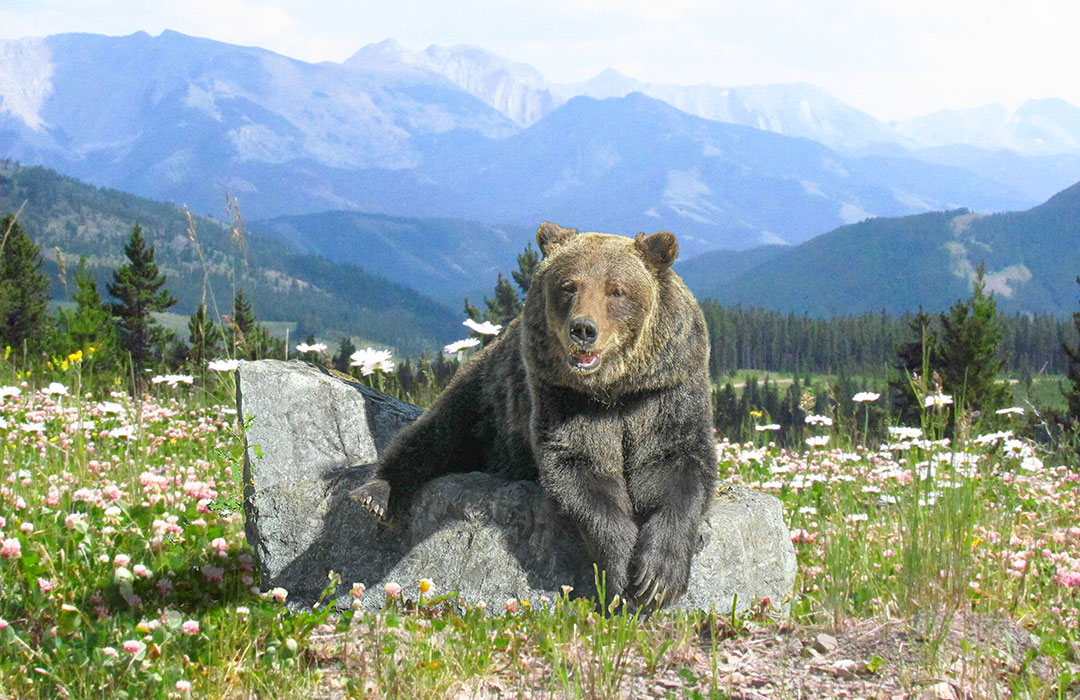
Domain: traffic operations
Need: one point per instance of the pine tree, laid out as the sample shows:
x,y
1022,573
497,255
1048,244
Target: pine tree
x,y
205,338
24,289
1072,356
345,350
527,261
242,330
970,350
137,287
89,327
917,357
472,312
505,306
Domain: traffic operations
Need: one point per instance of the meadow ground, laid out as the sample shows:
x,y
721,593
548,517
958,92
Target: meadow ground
x,y
927,568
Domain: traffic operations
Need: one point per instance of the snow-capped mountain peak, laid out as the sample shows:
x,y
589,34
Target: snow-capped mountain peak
x,y
26,72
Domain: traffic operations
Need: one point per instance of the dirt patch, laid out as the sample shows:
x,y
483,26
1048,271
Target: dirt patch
x,y
971,657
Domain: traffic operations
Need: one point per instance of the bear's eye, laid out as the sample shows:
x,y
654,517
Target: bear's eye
x,y
568,286
615,292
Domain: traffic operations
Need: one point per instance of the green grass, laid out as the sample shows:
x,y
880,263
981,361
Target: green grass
x,y
1044,392
125,573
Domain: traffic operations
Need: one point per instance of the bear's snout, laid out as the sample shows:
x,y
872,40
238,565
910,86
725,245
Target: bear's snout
x,y
584,331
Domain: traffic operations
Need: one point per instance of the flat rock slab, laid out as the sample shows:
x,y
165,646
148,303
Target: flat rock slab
x,y
314,436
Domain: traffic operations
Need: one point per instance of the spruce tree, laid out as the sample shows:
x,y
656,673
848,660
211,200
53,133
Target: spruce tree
x,y
243,328
89,327
205,338
1072,356
970,350
916,357
137,287
250,339
527,261
505,306
345,350
472,312
24,289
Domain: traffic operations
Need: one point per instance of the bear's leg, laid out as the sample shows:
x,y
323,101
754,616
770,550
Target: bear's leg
x,y
660,564
600,507
579,458
446,439
671,477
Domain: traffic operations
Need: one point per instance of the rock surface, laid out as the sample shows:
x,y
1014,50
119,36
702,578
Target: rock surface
x,y
313,437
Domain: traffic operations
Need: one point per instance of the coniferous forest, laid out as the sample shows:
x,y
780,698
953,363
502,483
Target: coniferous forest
x,y
772,341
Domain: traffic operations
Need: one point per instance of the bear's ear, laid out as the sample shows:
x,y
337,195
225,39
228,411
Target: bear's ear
x,y
550,235
660,249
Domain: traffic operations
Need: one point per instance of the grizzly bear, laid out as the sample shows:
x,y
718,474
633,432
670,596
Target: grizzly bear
x,y
600,390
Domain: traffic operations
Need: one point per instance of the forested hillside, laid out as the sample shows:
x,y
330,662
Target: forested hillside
x,y
323,298
1032,258
445,259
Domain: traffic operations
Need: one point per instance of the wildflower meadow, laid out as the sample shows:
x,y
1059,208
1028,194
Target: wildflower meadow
x,y
124,571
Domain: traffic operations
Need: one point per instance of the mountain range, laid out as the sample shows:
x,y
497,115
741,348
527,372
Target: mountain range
x,y
1031,260
634,163
897,264
461,133
520,92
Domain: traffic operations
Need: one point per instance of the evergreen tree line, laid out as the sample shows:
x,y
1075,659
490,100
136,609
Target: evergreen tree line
x,y
762,339
954,359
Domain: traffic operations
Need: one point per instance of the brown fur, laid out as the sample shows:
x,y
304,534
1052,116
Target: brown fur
x,y
600,390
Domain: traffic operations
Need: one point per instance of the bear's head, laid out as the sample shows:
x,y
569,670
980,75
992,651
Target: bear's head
x,y
592,306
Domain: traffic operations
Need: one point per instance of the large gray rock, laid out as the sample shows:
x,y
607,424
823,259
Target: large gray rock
x,y
314,436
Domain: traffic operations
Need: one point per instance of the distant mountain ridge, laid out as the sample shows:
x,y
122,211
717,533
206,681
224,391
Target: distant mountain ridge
x,y
439,134
1031,257
624,165
635,163
448,260
1038,127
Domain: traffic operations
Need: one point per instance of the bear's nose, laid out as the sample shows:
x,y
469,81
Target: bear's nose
x,y
583,331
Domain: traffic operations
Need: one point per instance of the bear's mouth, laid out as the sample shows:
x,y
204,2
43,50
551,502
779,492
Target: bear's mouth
x,y
584,361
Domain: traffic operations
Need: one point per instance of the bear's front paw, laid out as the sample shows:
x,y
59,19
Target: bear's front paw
x,y
659,578
374,496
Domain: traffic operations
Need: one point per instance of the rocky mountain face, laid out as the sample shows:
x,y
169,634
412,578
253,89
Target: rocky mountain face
x,y
516,90
523,95
181,118
1038,127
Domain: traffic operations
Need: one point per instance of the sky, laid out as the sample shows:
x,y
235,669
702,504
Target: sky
x,y
894,59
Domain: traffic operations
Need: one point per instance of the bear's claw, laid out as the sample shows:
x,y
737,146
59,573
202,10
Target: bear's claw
x,y
658,578
373,496
642,575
